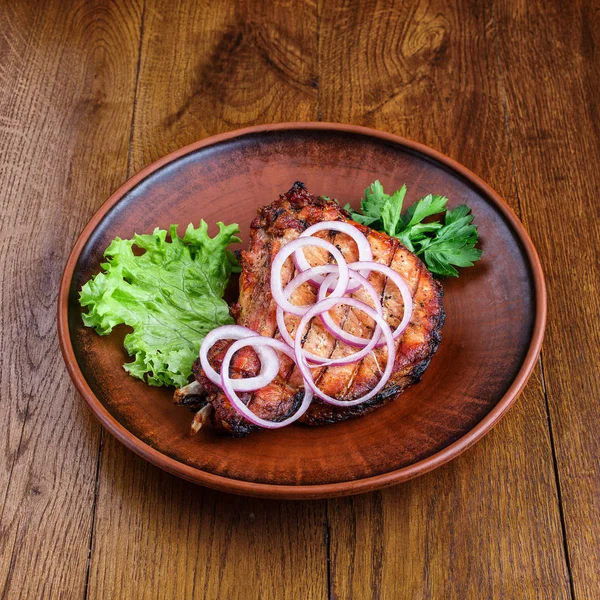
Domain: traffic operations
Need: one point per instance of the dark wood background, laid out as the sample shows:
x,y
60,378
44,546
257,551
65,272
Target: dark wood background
x,y
93,91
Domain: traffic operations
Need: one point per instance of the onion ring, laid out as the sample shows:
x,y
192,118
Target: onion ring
x,y
402,286
364,248
269,361
226,382
329,325
346,279
317,309
282,256
334,330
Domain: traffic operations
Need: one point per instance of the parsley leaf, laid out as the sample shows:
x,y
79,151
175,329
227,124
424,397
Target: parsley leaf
x,y
391,211
454,243
442,245
426,207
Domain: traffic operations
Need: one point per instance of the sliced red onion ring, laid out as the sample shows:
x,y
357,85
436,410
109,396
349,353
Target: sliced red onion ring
x,y
364,248
290,288
285,252
323,361
285,334
269,361
305,276
397,279
336,330
321,307
259,343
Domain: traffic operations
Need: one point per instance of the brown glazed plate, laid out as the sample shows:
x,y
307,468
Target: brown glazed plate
x,y
496,313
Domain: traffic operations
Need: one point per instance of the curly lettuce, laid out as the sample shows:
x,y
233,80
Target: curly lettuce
x,y
171,295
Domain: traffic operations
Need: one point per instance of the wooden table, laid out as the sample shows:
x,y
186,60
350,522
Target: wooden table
x,y
93,91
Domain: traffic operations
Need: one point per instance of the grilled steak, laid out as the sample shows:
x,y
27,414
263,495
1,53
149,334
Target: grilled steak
x,y
275,225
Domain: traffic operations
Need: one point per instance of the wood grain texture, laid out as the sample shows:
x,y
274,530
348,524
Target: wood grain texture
x,y
554,124
508,87
159,537
215,66
218,66
488,524
67,79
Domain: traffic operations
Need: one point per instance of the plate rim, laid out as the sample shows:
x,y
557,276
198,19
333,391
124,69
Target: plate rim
x,y
324,490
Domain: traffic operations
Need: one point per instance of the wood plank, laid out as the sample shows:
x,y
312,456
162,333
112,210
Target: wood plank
x,y
553,111
488,524
159,537
231,65
67,77
206,68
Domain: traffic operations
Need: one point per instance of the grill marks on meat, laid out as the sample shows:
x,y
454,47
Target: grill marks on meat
x,y
315,338
338,381
275,225
414,351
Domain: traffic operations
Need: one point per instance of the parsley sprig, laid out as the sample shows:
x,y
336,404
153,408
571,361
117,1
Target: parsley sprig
x,y
441,245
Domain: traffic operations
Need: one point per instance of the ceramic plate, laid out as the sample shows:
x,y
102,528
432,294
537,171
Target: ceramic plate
x,y
495,315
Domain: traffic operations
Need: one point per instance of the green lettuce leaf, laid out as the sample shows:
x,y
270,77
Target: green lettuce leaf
x,y
171,295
